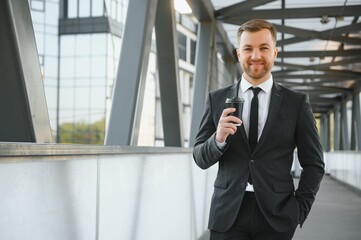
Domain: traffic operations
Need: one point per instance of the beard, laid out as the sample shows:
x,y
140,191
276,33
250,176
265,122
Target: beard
x,y
256,69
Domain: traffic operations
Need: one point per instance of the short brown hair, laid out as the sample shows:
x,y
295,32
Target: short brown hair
x,y
256,25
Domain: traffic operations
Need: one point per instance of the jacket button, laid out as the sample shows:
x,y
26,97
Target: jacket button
x,y
251,162
243,185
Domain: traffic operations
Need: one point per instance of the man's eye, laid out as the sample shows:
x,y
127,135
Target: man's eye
x,y
264,49
247,49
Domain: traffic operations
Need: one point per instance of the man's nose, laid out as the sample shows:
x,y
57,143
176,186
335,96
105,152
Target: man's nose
x,y
256,54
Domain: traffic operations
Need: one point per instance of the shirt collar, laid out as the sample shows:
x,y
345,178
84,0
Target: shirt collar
x,y
265,86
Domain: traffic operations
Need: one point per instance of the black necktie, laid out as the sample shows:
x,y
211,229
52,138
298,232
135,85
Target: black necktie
x,y
253,121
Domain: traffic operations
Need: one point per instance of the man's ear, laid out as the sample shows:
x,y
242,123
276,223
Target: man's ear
x,y
275,54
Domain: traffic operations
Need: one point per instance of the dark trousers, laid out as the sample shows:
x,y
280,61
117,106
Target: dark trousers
x,y
251,225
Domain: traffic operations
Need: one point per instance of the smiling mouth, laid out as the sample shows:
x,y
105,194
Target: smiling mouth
x,y
256,63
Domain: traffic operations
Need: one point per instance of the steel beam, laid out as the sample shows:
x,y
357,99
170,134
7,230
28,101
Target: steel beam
x,y
344,127
203,65
24,113
294,13
307,54
325,132
167,53
128,91
236,8
337,128
356,122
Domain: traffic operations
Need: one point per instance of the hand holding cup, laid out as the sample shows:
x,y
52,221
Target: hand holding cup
x,y
237,103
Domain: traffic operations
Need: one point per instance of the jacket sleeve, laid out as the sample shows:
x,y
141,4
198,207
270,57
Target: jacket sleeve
x,y
310,155
205,151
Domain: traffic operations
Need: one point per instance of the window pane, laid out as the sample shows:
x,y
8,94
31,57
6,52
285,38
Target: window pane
x,y
82,67
99,42
193,51
98,66
97,8
51,45
82,45
51,67
52,13
37,5
182,46
84,8
67,45
72,8
67,68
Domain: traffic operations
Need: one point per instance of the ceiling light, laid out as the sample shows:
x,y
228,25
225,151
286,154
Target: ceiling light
x,y
182,7
324,19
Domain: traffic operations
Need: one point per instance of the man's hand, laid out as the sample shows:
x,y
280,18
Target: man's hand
x,y
226,125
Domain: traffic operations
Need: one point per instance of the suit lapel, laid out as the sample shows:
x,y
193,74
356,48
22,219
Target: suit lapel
x,y
275,104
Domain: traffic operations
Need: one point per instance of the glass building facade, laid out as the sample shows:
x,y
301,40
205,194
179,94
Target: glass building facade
x,y
79,44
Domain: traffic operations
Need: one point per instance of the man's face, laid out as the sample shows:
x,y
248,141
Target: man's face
x,y
256,54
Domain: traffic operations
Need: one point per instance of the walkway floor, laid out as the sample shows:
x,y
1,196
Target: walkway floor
x,y
335,215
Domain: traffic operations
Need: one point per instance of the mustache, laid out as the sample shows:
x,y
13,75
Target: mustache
x,y
256,61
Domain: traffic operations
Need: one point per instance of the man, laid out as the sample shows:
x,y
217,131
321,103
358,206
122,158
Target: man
x,y
254,195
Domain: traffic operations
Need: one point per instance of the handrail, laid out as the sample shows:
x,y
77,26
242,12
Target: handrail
x,y
18,152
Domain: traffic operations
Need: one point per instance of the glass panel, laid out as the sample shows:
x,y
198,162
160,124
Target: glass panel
x,y
82,97
67,68
51,45
97,8
113,9
72,8
82,45
66,99
51,66
98,44
84,8
52,13
51,30
37,5
120,12
98,95
67,45
98,66
82,67
182,46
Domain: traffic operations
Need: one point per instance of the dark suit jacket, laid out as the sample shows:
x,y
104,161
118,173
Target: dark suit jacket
x,y
290,124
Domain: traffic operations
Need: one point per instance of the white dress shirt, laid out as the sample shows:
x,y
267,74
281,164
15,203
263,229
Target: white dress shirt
x,y
264,98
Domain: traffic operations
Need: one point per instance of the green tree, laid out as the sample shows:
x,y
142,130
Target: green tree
x,y
83,133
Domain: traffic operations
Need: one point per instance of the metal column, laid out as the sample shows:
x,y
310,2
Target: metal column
x,y
128,92
325,132
24,113
167,53
345,144
356,122
337,129
202,75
